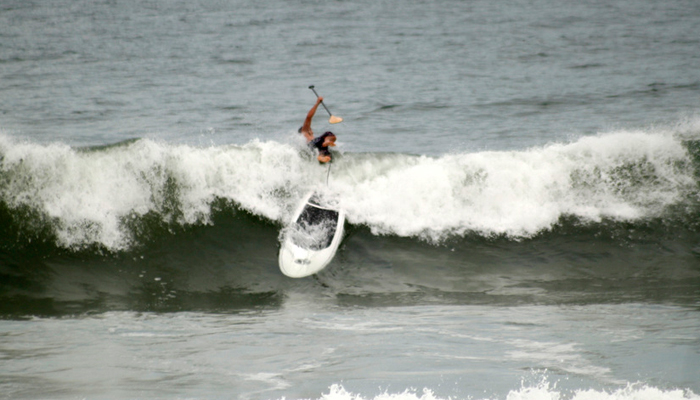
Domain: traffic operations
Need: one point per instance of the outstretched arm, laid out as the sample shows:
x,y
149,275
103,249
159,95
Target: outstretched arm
x,y
306,128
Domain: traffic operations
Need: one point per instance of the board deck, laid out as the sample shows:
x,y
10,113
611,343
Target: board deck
x,y
312,238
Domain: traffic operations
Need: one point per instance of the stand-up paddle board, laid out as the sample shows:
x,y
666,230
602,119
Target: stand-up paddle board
x,y
312,237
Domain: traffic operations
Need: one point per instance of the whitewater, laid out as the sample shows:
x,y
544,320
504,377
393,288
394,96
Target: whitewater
x,y
92,196
541,391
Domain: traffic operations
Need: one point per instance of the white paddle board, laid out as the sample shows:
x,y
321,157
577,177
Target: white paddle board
x,y
314,233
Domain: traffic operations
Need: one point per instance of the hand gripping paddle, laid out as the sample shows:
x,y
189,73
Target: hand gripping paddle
x,y
333,119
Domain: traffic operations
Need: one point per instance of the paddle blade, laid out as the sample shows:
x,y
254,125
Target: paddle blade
x,y
335,120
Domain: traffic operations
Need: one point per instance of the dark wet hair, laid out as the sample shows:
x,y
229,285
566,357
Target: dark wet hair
x,y
327,134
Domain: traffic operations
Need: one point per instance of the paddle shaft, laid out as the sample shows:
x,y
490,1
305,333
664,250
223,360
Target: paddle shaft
x,y
322,103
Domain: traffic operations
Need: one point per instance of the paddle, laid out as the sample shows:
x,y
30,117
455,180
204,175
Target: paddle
x,y
333,119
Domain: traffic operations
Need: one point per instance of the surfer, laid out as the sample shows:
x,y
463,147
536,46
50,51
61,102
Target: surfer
x,y
322,142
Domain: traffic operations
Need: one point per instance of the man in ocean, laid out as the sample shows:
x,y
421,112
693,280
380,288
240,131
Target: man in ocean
x,y
322,142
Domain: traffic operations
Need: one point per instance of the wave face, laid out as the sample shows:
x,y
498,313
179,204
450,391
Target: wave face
x,y
110,196
149,226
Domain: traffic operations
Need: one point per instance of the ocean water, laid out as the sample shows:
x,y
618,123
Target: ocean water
x,y
520,180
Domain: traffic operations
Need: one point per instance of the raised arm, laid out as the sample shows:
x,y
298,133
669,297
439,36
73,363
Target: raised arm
x,y
306,128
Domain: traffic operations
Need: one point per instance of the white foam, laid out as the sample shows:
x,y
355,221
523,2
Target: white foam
x,y
622,175
90,196
541,391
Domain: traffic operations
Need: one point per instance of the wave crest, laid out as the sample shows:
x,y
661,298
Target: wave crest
x,y
102,196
